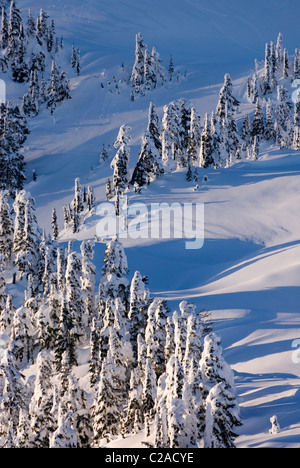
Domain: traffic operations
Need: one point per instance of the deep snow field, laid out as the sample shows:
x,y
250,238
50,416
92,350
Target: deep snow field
x,y
248,272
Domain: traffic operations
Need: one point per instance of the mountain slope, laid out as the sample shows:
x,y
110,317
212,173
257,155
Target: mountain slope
x,y
247,273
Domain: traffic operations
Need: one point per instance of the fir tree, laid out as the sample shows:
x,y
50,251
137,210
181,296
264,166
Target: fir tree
x,y
14,27
138,71
296,65
286,65
6,229
31,25
194,138
279,52
214,368
66,337
108,405
267,79
171,68
77,404
269,127
258,127
154,127
227,104
4,30
55,230
21,439
41,404
246,130
149,395
155,334
296,136
14,395
109,192
114,282
121,160
206,149
6,316
138,305
95,355
88,278
65,435
222,418
283,118
13,134
149,166
253,88
74,294
171,137
42,27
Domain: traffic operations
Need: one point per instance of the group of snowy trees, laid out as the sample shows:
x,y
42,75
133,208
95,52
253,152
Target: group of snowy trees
x,y
148,72
148,369
279,121
26,50
13,134
78,210
180,140
277,65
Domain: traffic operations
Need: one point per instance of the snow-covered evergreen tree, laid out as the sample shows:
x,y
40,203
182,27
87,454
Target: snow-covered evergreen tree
x,y
6,316
121,160
58,90
78,406
245,132
107,409
253,88
41,403
194,138
13,134
149,166
147,72
222,418
149,395
286,65
270,134
134,418
214,368
114,283
88,277
138,305
206,149
296,64
171,137
27,235
258,126
227,103
154,127
155,335
74,294
283,123
6,229
138,71
4,29
14,396
65,435
296,136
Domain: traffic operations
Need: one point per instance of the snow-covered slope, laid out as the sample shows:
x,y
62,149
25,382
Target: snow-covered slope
x,y
247,274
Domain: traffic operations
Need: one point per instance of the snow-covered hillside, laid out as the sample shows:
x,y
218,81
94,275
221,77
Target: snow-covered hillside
x,y
247,273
